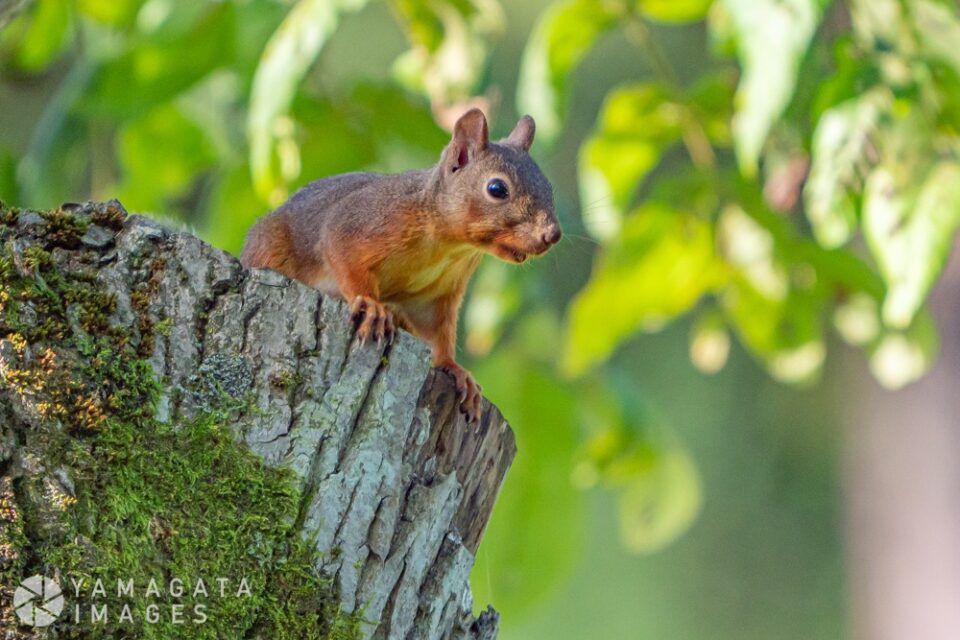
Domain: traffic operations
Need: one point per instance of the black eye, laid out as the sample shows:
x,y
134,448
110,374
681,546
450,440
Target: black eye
x,y
497,188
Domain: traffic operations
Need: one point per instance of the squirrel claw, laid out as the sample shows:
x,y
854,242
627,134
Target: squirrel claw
x,y
468,391
375,321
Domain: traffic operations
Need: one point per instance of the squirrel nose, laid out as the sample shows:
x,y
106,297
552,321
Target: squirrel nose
x,y
551,235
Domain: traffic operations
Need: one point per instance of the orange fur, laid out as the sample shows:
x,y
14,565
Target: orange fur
x,y
401,249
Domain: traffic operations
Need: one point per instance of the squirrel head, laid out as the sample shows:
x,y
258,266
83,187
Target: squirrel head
x,y
493,193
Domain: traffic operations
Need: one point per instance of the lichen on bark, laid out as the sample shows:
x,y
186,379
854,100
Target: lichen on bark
x,y
166,414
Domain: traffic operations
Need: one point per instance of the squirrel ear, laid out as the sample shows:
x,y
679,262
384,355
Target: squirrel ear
x,y
522,134
469,137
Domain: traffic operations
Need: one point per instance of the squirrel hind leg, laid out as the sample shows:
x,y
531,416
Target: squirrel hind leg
x,y
266,246
270,245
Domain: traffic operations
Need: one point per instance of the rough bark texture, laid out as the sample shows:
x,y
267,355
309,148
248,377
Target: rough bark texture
x,y
396,487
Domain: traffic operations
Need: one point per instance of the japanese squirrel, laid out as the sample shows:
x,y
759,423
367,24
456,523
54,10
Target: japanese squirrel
x,y
401,248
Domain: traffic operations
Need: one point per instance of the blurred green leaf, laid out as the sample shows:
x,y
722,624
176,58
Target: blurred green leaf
x,y
161,66
421,21
857,320
377,127
534,536
709,342
901,357
854,75
775,312
291,52
772,37
909,229
841,144
786,335
562,37
328,139
660,503
674,10
161,156
711,101
401,130
629,451
9,193
939,30
450,41
494,298
233,208
113,12
45,37
637,124
658,268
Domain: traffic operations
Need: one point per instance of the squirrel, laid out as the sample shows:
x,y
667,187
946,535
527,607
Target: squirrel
x,y
401,248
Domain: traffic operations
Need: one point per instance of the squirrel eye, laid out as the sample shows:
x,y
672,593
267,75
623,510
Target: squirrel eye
x,y
497,188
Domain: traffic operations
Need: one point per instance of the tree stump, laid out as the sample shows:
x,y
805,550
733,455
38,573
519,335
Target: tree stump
x,y
392,487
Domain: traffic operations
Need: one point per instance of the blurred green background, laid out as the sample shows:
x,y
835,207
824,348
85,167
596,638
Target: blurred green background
x,y
744,187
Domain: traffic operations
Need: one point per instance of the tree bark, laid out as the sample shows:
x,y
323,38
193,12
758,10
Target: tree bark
x,y
396,488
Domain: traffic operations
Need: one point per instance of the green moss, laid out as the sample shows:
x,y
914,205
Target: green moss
x,y
13,541
63,228
164,327
154,500
8,216
109,216
286,380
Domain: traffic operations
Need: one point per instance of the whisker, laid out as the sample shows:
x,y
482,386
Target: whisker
x,y
567,236
596,202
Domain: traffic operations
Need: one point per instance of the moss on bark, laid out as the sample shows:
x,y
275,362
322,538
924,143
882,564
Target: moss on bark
x,y
158,501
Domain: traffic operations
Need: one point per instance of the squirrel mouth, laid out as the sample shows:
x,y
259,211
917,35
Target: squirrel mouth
x,y
505,252
517,255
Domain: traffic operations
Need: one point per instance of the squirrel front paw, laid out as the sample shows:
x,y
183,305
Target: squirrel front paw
x,y
373,320
467,388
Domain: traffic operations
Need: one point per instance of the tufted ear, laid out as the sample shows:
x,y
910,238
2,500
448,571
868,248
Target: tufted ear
x,y
522,134
470,136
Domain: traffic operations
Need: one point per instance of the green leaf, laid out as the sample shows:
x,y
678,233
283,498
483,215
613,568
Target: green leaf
x,y
561,38
400,128
233,209
938,29
674,11
149,184
910,234
786,335
637,124
46,35
289,54
157,68
902,357
329,141
711,101
660,503
494,299
631,452
841,143
9,192
450,44
772,37
658,268
857,319
534,537
112,12
709,342
775,313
